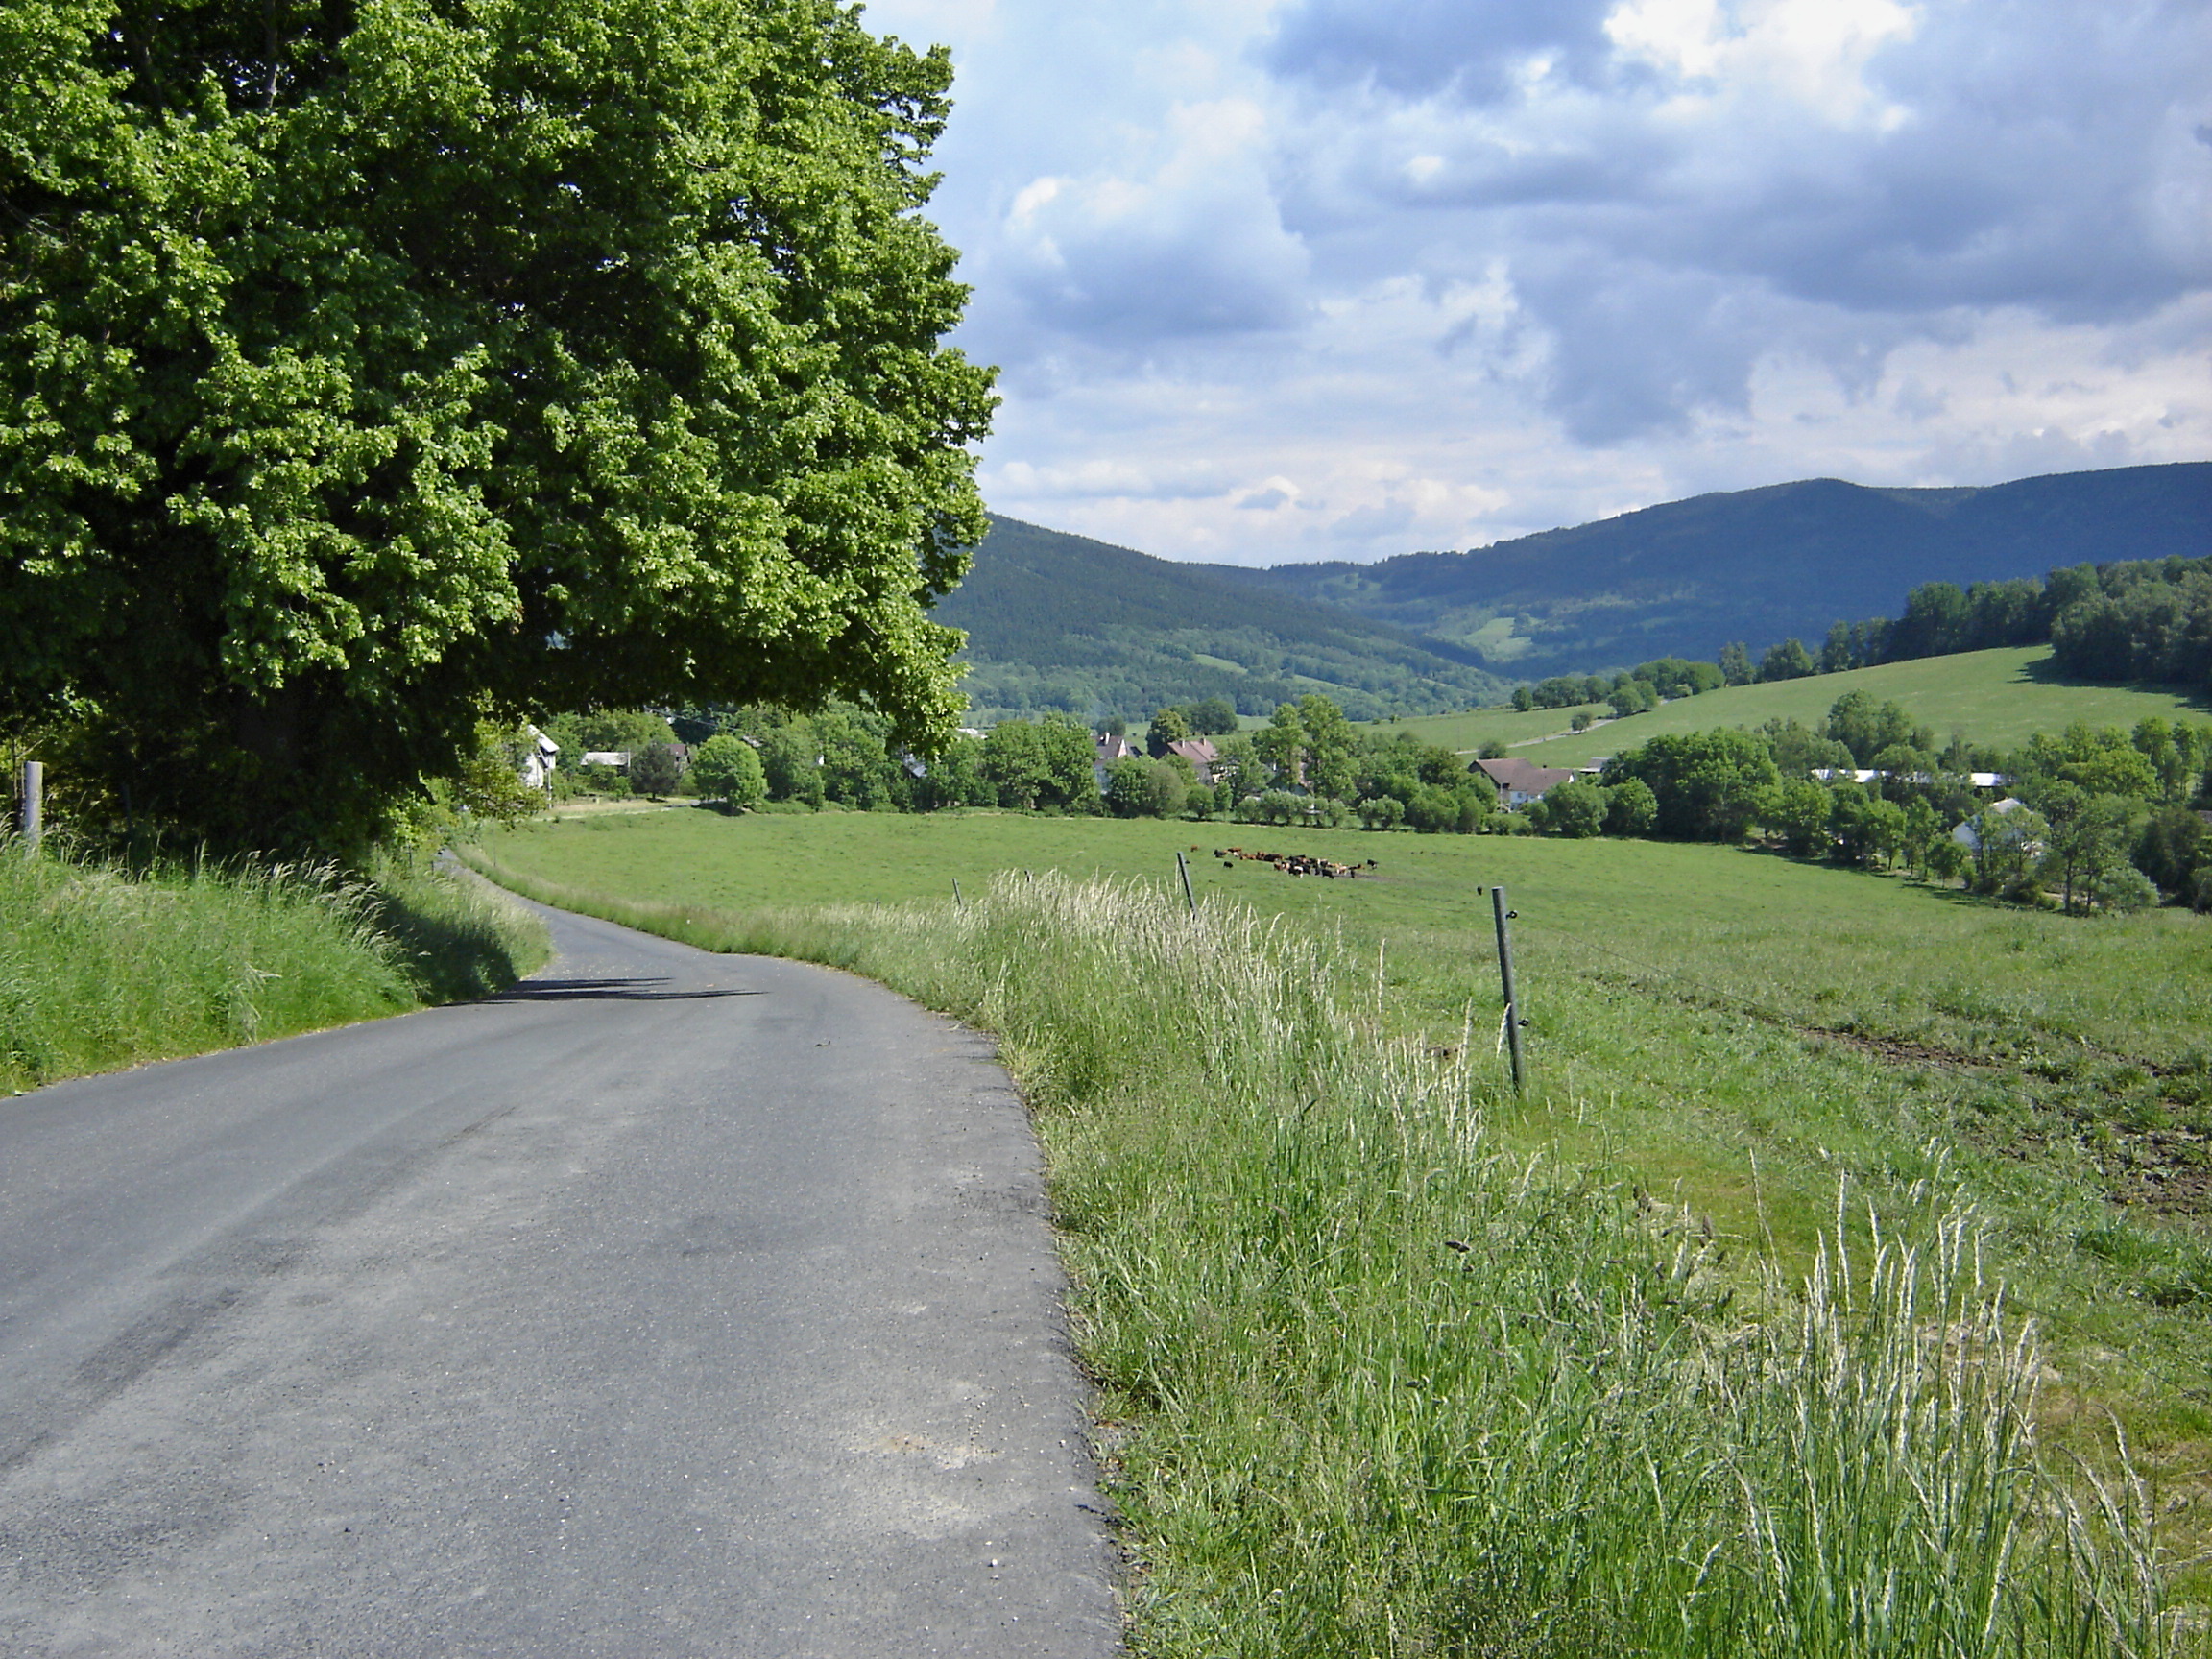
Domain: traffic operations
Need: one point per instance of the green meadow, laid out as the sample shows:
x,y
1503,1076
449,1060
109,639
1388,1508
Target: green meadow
x,y
1997,698
104,964
1756,1044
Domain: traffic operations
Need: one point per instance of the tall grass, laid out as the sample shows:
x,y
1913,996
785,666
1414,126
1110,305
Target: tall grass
x,y
102,966
1372,1385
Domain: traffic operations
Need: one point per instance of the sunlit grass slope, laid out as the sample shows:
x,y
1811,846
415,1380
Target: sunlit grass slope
x,y
1409,1368
1736,1030
101,967
1997,698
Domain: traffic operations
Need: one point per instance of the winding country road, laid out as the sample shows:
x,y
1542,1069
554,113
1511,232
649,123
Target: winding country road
x,y
670,1303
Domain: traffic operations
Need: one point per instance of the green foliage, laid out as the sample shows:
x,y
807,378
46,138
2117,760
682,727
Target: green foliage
x,y
1798,810
1435,809
1212,716
374,368
1736,664
2116,621
1707,784
486,785
1946,859
1573,810
1142,788
1282,742
2173,844
1865,727
1787,661
657,771
2144,621
955,777
1630,808
727,768
2119,889
1434,788
2099,762
1238,767
2004,845
1631,697
1998,699
858,769
2087,839
1043,764
792,763
1326,756
1677,677
1167,726
1798,751
1381,812
1867,830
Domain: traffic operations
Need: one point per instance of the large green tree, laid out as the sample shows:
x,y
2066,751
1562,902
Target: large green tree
x,y
1708,785
377,364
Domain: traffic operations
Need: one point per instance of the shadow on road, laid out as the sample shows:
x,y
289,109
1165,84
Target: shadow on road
x,y
606,991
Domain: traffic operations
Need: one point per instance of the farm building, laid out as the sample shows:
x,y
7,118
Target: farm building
x,y
1521,781
1200,753
1109,747
1966,836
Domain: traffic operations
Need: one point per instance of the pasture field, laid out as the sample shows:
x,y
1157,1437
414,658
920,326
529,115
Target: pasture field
x,y
1997,698
1748,1044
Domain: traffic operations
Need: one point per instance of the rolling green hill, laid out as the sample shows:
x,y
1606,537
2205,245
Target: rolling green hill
x,y
1997,698
1757,565
1057,621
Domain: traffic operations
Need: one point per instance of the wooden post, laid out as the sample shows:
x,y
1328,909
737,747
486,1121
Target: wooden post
x,y
958,901
34,804
1189,898
1513,1021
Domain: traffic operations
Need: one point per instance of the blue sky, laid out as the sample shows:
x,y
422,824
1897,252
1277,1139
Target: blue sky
x,y
1287,279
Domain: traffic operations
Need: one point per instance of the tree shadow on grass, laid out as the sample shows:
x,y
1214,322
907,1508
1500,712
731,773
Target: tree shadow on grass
x,y
2045,671
452,955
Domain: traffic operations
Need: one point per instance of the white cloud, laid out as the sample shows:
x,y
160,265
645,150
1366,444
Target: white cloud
x,y
1298,278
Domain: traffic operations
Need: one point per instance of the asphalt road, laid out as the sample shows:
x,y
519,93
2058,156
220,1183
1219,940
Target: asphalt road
x,y
671,1304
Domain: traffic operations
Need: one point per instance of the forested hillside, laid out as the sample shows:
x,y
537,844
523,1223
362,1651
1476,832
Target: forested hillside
x,y
1062,622
1756,565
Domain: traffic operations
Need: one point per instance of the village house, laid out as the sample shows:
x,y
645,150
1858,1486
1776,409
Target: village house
x,y
1108,748
540,755
1967,837
1200,753
1521,781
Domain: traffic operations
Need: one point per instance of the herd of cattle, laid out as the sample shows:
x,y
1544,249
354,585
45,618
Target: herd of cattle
x,y
1291,863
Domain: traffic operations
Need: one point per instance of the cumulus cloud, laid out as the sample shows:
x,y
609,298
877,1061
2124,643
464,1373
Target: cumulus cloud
x,y
1192,245
1779,160
1422,48
1279,278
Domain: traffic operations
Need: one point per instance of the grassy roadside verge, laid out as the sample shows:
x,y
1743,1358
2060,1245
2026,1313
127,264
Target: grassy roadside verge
x,y
103,967
1382,1380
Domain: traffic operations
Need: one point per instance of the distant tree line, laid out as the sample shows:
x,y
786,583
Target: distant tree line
x,y
1630,691
2148,619
2097,819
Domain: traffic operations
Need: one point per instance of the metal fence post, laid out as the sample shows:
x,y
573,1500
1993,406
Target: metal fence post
x,y
34,804
1513,1020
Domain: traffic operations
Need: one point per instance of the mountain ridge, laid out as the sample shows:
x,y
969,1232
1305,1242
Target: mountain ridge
x,y
1060,621
1063,621
1685,577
